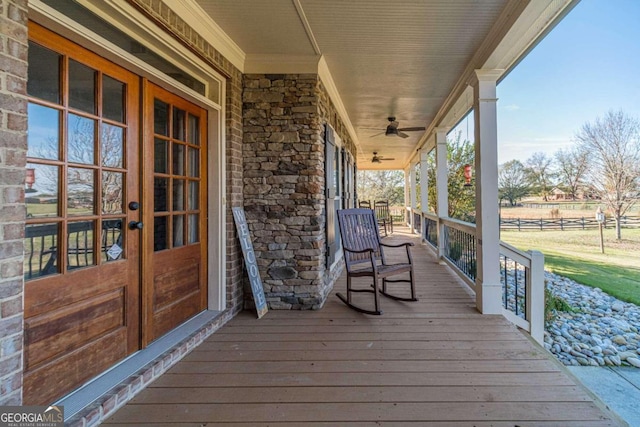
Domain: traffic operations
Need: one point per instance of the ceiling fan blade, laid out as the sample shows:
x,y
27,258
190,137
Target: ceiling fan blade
x,y
403,135
377,134
390,158
413,129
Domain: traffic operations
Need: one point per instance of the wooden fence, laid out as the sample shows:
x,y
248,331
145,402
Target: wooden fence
x,y
581,223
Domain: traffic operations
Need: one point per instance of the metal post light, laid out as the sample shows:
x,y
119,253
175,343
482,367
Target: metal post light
x,y
600,218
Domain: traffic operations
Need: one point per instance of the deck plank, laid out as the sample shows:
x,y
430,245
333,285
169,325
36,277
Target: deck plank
x,y
436,362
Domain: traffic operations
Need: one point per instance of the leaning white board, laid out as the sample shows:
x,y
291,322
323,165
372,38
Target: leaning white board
x,y
250,261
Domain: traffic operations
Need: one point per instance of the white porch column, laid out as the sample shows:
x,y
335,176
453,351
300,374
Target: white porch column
x,y
414,195
488,288
407,198
424,189
442,185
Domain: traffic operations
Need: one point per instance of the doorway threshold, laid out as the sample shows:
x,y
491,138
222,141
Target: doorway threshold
x,y
106,384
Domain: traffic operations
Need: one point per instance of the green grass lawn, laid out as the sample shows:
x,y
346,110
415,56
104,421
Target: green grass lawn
x,y
576,254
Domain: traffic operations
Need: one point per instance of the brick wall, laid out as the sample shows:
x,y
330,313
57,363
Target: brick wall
x,y
13,149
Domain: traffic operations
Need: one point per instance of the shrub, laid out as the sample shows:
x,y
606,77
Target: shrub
x,y
553,304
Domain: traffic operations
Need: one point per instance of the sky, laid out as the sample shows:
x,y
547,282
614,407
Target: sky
x,y
587,65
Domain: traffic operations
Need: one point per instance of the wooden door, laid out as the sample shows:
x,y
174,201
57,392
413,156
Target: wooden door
x,y
175,229
81,268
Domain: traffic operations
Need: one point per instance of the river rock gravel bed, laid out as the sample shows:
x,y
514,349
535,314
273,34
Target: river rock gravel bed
x,y
601,331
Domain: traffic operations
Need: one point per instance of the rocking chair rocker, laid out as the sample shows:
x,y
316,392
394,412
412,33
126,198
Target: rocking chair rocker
x,y
364,257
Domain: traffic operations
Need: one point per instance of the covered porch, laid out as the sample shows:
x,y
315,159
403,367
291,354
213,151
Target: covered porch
x,y
434,362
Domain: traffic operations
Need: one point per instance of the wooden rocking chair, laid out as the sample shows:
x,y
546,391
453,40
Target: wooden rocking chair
x,y
364,257
384,215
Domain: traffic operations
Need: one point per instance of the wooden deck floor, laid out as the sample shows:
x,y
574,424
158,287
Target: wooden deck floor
x,y
436,362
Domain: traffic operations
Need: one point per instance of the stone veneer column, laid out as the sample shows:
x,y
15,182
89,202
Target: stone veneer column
x,y
13,148
283,186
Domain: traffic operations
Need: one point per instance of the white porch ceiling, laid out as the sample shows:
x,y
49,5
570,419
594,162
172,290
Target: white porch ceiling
x,y
399,58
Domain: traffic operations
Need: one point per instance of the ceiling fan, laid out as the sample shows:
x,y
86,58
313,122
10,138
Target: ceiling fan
x,y
393,129
378,159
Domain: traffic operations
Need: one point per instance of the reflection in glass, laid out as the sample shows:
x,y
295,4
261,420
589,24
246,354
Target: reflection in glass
x,y
178,231
79,244
194,196
80,191
112,99
41,190
194,162
40,250
161,156
44,132
112,238
81,136
82,87
112,193
179,123
44,73
111,145
160,194
194,229
178,194
161,117
194,130
178,159
160,233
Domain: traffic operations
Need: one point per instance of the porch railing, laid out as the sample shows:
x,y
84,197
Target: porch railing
x,y
460,246
521,273
522,277
430,229
417,225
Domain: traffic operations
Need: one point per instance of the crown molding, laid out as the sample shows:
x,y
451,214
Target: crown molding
x,y
201,22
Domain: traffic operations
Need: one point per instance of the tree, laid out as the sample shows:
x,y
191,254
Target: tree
x,y
462,201
571,168
613,144
540,175
80,181
512,182
381,185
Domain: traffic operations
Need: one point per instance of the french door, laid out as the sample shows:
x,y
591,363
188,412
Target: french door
x,y
82,263
115,236
174,173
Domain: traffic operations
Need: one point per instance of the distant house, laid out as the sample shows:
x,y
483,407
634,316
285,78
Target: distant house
x,y
558,194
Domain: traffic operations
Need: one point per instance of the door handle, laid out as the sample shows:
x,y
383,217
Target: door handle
x,y
135,225
134,206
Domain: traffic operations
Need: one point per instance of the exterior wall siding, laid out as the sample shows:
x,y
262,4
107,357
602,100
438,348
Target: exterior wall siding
x,y
13,150
284,117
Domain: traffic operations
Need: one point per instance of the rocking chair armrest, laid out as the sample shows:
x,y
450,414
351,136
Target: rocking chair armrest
x,y
406,245
360,251
398,245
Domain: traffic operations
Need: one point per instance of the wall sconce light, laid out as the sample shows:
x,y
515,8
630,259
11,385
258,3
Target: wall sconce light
x,y
30,180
